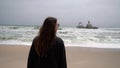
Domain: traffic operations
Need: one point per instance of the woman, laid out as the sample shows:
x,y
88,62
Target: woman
x,y
47,50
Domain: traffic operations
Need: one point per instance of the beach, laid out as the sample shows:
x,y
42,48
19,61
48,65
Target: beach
x,y
15,56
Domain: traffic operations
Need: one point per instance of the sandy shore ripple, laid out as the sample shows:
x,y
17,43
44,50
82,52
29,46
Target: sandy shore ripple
x,y
15,56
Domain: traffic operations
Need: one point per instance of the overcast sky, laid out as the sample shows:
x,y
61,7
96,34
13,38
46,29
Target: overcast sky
x,y
102,13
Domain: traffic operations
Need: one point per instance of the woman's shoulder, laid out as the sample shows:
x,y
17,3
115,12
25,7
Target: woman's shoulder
x,y
35,38
59,41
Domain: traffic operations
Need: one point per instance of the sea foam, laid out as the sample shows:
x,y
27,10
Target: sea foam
x,y
99,38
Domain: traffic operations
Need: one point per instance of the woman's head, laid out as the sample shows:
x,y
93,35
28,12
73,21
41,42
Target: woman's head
x,y
46,35
49,24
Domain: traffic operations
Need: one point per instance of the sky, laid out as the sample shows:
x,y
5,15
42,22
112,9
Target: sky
x,y
101,13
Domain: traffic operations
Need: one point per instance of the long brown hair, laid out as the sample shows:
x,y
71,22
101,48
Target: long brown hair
x,y
46,36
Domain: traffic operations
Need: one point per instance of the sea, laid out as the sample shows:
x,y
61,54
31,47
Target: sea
x,y
72,36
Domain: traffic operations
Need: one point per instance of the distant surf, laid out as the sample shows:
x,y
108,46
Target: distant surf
x,y
72,36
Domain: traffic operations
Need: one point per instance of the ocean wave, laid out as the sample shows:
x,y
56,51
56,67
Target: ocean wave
x,y
70,35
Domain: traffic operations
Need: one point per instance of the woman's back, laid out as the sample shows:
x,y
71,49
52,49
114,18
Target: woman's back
x,y
54,58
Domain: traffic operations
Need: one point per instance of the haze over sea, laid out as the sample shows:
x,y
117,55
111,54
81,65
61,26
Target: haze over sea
x,y
72,36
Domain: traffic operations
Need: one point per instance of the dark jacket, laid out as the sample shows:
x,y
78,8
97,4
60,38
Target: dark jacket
x,y
56,56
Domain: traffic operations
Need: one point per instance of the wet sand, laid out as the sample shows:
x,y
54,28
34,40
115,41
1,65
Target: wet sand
x,y
15,56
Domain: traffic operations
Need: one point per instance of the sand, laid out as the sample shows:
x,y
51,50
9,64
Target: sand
x,y
15,56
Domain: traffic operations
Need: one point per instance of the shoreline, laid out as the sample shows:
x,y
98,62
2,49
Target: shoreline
x,y
15,56
81,47
70,45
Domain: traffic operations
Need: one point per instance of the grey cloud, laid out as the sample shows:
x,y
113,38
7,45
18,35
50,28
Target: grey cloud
x,y
69,12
